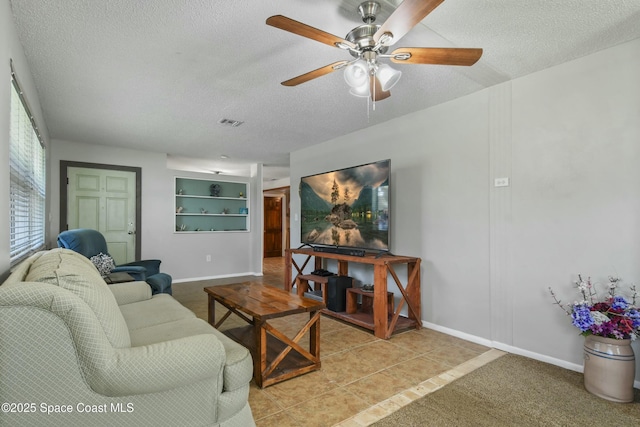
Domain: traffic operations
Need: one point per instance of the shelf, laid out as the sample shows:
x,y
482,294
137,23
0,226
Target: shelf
x,y
366,320
193,195
188,196
208,214
210,231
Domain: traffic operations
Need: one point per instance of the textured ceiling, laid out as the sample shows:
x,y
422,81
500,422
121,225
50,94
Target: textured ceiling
x,y
159,75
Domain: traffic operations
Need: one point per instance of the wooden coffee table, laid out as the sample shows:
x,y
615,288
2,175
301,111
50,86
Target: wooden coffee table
x,y
276,357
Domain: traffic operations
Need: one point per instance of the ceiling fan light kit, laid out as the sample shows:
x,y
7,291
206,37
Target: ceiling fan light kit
x,y
368,44
357,74
360,91
388,76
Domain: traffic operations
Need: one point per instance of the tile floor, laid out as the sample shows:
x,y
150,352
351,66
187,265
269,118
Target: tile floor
x,y
362,379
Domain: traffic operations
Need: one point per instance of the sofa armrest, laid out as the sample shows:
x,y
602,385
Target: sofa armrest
x,y
130,292
161,366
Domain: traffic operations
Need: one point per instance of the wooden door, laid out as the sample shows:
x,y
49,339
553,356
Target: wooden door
x,y
105,200
272,227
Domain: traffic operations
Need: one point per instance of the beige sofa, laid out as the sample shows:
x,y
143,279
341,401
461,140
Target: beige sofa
x,y
75,351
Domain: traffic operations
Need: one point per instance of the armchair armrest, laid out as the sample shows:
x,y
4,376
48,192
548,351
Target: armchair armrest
x,y
151,265
137,272
160,367
129,292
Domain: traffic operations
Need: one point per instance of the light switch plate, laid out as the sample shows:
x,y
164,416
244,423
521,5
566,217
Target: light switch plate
x,y
501,182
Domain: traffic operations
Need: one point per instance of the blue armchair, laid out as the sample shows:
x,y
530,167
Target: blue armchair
x,y
90,243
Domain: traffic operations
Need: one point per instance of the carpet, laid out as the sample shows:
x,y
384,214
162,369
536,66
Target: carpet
x,y
515,391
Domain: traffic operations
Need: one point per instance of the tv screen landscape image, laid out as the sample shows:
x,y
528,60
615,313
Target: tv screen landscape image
x,y
347,207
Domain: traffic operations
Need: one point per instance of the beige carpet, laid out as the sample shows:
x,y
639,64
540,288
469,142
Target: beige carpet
x,y
515,391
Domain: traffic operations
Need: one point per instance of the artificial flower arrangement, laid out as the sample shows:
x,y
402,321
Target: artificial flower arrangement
x,y
613,316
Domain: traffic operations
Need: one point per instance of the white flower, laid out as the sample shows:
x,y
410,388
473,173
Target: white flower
x,y
599,317
583,286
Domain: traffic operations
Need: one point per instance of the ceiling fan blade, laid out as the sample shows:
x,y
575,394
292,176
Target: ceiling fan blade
x,y
314,74
405,17
375,88
307,31
437,55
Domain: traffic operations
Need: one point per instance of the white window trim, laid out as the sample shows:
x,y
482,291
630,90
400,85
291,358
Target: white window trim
x,y
27,173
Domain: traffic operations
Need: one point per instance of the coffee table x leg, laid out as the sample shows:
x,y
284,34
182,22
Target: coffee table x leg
x,y
264,371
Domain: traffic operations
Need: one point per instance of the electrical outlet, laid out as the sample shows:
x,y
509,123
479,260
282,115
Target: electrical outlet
x,y
208,258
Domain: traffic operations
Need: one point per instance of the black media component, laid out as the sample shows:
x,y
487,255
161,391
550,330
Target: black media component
x,y
341,251
321,272
337,292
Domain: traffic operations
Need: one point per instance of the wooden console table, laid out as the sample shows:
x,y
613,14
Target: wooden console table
x,y
381,322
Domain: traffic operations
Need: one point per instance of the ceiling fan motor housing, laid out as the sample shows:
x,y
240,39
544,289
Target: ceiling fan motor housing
x,y
362,37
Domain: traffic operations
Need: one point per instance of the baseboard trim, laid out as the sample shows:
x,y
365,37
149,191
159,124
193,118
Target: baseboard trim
x,y
222,276
458,334
510,349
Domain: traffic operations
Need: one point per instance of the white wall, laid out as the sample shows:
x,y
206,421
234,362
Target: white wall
x,y
10,48
568,138
279,183
183,255
576,151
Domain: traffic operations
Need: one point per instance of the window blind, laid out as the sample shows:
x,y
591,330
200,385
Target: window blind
x,y
27,194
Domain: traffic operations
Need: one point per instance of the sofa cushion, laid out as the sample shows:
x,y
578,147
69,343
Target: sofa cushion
x,y
238,369
130,292
75,273
159,309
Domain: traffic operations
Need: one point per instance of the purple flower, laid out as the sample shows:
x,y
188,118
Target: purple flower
x,y
634,315
604,329
581,317
619,303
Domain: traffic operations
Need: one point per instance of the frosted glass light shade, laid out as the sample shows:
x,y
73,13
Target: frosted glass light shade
x,y
388,76
356,74
362,90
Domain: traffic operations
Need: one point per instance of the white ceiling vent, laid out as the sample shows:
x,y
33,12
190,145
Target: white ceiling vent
x,y
229,122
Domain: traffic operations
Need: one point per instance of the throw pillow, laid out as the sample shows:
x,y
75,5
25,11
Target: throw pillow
x,y
104,263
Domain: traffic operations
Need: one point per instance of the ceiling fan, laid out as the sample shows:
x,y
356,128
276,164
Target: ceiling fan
x,y
369,43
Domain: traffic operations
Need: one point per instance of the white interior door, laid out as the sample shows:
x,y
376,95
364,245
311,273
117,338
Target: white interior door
x,y
104,200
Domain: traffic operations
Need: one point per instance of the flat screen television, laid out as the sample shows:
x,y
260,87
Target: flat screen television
x,y
347,208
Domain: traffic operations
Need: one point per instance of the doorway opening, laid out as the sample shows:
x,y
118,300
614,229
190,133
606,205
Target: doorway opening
x,y
276,225
106,198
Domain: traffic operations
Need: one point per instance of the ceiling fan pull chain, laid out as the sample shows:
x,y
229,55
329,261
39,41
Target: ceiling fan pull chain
x,y
374,89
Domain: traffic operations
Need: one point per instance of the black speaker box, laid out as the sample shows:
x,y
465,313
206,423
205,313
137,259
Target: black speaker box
x,y
337,292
